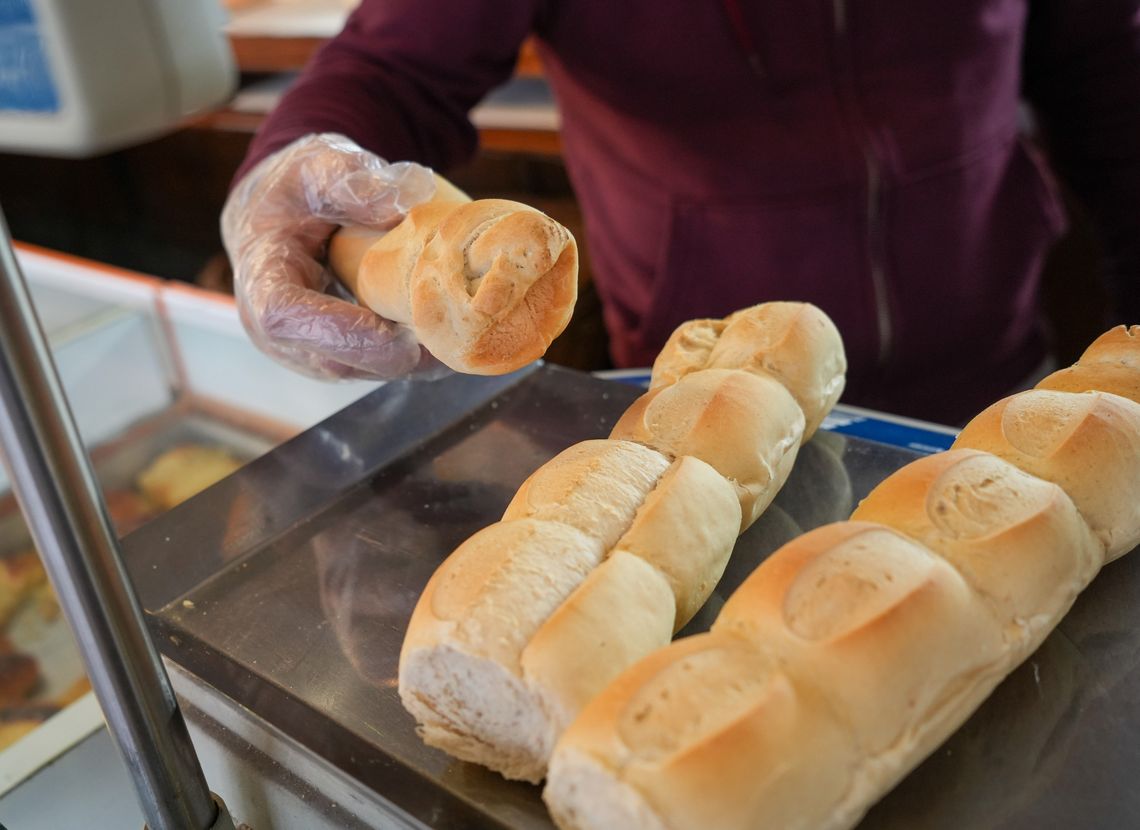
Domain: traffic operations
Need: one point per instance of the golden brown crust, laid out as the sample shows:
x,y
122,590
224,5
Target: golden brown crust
x,y
1017,540
1088,443
795,343
485,285
182,472
622,611
747,427
508,643
596,486
687,350
699,734
686,527
900,622
858,601
1111,363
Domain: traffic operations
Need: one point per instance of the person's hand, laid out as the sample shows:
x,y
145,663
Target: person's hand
x,y
275,226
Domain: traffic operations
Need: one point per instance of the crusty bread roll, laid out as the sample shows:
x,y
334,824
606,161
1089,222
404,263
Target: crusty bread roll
x,y
859,601
469,628
1087,443
552,641
880,634
686,528
795,343
485,285
1110,364
679,517
184,471
500,656
745,426
1017,540
843,661
623,610
569,488
708,716
848,653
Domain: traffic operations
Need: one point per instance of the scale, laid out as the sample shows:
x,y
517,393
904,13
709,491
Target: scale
x,y
278,599
297,576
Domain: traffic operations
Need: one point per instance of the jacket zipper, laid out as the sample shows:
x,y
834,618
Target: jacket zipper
x,y
874,231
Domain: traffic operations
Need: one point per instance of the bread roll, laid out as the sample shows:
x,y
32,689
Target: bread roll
x,y
686,528
1017,540
636,530
858,601
901,621
687,350
664,531
182,472
795,343
596,486
694,737
1110,364
1087,443
485,285
622,611
680,517
469,629
746,427
846,657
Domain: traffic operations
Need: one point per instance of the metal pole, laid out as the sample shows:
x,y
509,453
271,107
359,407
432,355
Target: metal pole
x,y
64,507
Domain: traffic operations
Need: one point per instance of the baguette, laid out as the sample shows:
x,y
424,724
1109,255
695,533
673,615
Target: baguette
x,y
855,649
485,285
497,666
1085,442
1111,363
794,343
748,427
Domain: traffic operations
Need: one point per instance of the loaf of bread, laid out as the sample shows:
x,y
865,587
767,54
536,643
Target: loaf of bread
x,y
855,649
1110,364
1085,442
1017,540
603,554
748,427
794,343
485,285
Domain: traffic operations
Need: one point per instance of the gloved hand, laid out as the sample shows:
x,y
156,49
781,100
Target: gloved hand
x,y
275,226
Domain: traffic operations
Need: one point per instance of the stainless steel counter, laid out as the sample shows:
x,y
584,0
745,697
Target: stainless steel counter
x,y
288,586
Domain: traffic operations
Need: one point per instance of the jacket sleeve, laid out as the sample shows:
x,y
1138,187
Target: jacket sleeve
x,y
401,78
1082,76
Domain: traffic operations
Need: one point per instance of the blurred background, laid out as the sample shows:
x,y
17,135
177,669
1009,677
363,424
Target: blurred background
x,y
154,208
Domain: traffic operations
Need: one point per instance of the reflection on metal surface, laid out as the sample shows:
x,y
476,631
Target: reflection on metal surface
x,y
300,617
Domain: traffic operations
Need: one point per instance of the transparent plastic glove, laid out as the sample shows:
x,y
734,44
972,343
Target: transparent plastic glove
x,y
275,226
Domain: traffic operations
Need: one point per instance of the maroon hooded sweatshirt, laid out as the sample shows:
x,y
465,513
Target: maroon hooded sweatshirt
x,y
864,156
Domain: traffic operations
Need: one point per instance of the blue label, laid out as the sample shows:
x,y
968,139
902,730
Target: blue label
x,y
887,431
25,81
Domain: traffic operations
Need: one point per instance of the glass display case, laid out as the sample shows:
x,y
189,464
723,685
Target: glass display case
x,y
169,397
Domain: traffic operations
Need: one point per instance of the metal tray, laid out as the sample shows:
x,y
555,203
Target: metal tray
x,y
287,587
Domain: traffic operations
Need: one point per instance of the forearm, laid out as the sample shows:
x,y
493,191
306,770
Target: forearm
x,y
402,77
371,106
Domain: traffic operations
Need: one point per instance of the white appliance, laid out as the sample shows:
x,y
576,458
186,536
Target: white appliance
x,y
80,77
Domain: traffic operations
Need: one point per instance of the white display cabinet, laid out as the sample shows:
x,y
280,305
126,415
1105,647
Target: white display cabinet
x,y
147,365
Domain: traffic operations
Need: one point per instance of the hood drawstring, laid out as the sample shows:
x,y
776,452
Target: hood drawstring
x,y
743,35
